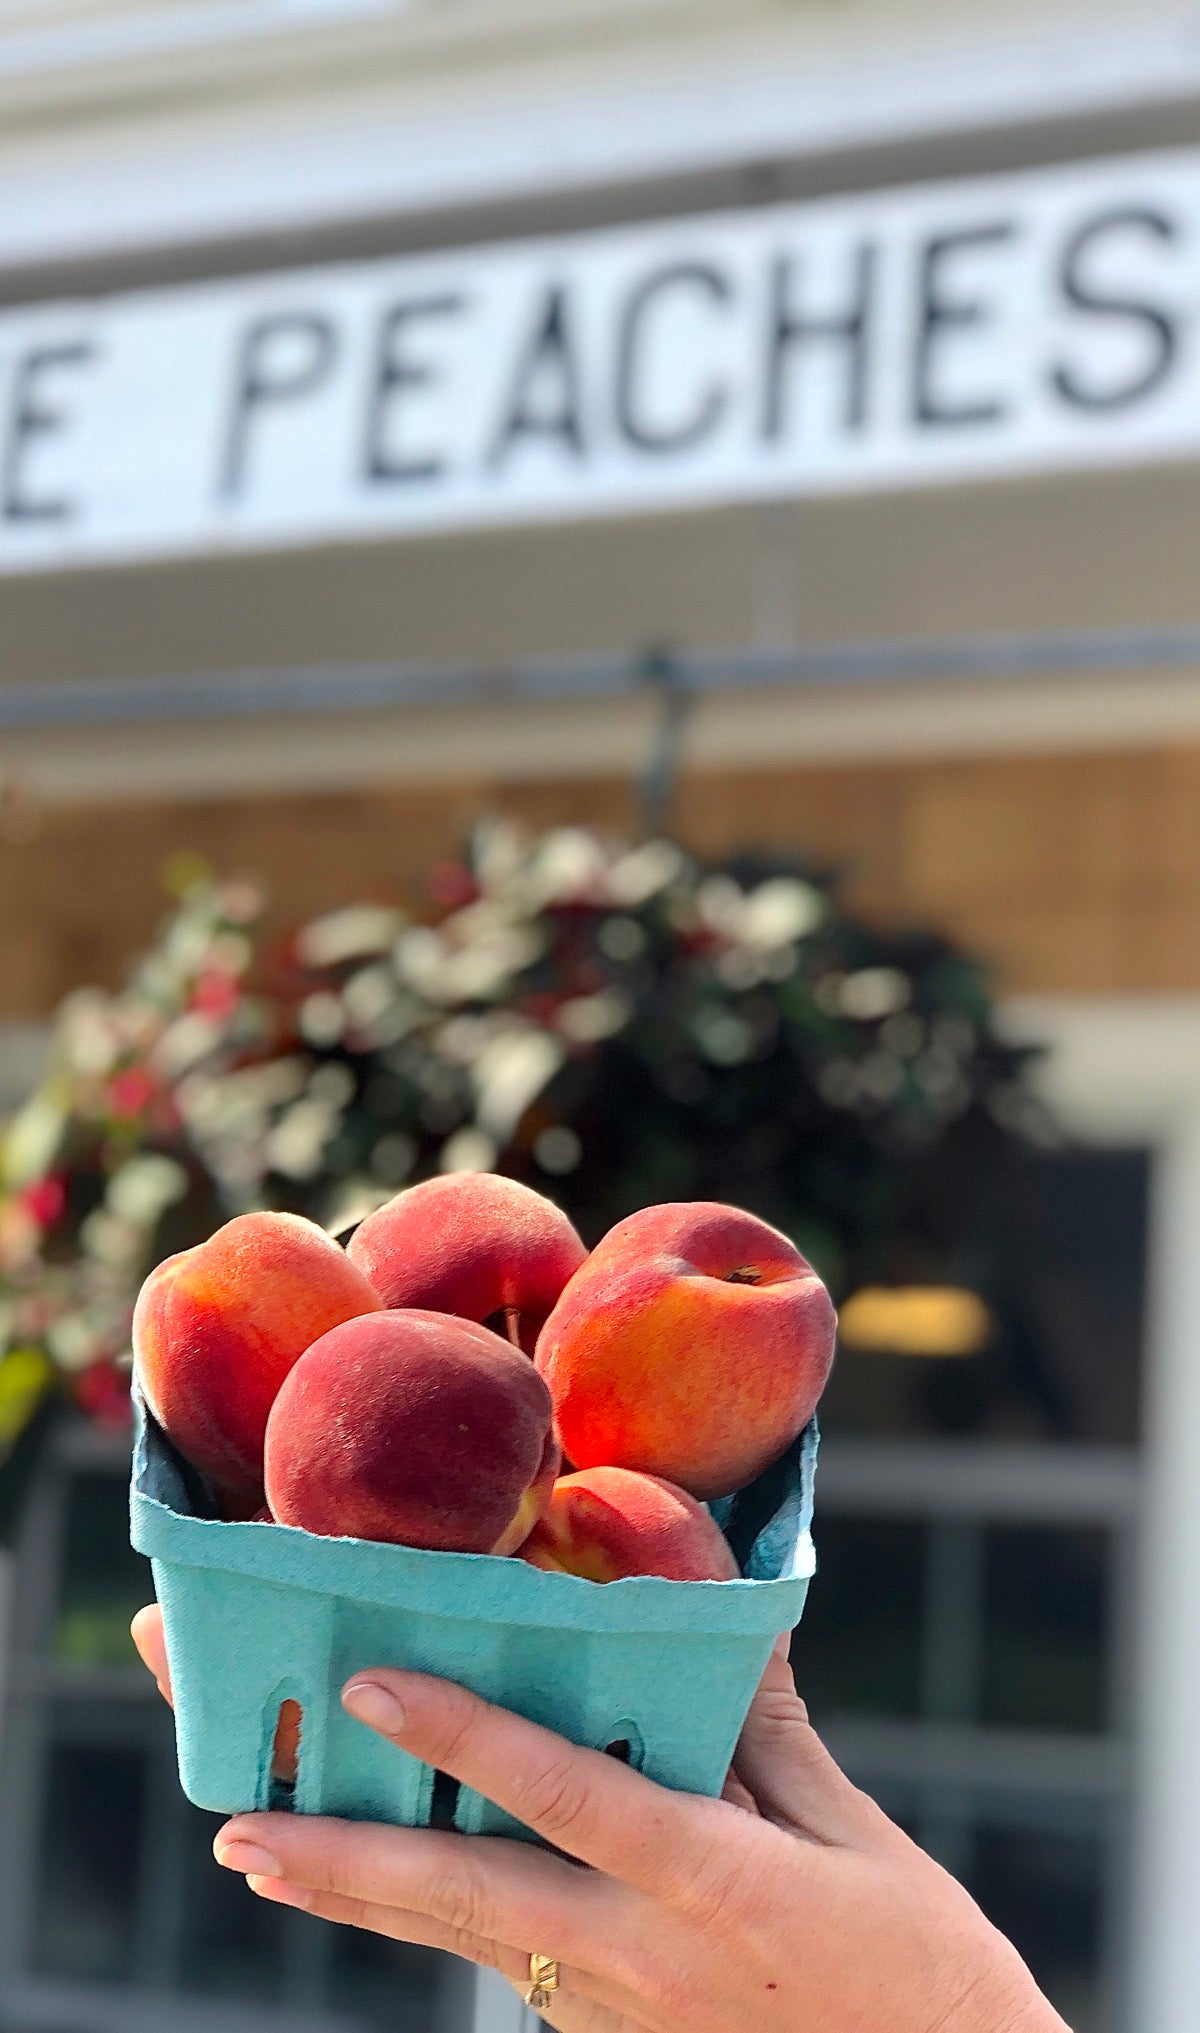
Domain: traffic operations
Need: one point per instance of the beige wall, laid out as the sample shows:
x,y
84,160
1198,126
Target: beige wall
x,y
1086,550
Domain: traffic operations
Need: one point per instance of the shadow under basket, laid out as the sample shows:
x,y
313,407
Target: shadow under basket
x,y
257,1616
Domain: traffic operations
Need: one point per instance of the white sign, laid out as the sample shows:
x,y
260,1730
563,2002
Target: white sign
x,y
906,337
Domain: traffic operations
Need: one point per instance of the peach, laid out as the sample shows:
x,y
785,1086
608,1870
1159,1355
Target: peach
x,y
414,1428
693,1344
217,1328
474,1244
606,1523
285,1749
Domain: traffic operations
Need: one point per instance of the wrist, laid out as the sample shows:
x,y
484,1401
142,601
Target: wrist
x,y
1039,2017
1008,2002
1029,2012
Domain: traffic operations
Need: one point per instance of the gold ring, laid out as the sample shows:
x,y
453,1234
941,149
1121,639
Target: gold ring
x,y
543,1981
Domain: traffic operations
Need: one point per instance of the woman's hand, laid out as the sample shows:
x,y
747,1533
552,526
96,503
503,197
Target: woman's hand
x,y
791,1905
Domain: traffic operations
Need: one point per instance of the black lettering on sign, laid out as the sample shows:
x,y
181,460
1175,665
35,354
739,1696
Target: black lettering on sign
x,y
394,372
281,358
32,416
1083,295
939,315
792,332
632,422
546,397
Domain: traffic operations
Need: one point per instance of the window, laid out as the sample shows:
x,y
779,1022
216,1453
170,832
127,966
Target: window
x,y
965,1648
109,1894
964,1651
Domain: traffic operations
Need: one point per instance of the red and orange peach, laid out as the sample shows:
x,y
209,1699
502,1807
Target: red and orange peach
x,y
474,1244
693,1344
414,1428
217,1329
608,1523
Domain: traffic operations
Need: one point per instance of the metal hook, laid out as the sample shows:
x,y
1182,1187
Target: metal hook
x,y
660,771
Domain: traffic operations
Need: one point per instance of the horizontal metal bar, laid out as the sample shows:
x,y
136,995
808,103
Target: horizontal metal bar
x,y
45,2005
356,688
1002,1483
82,1444
1010,1481
1027,1762
33,1679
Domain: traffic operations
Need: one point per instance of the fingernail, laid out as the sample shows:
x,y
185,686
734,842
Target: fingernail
x,y
251,1861
377,1706
279,1892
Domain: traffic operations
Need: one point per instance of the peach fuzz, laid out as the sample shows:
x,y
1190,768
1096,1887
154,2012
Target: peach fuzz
x,y
693,1344
474,1244
608,1523
417,1429
217,1328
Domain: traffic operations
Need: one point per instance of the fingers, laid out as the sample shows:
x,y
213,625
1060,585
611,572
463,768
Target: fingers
x,y
579,1800
738,1795
614,2004
146,1630
782,1763
500,1891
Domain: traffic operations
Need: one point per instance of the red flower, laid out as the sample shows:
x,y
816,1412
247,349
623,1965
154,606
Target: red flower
x,y
102,1391
131,1092
451,885
215,994
543,1004
45,1199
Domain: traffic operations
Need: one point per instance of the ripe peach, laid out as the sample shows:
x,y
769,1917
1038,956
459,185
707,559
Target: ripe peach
x,y
693,1344
474,1244
605,1523
415,1428
285,1748
217,1328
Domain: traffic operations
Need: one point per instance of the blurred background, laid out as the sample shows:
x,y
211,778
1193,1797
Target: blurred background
x,y
609,591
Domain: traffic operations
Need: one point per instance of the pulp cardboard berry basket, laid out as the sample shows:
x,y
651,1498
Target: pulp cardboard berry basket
x,y
260,1614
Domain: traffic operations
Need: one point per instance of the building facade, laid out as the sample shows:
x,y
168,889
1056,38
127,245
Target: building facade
x,y
390,395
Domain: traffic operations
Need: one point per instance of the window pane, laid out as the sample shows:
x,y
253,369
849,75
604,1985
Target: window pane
x,y
103,1579
385,1983
233,1943
858,1647
1046,1601
91,1845
1046,1893
1056,1244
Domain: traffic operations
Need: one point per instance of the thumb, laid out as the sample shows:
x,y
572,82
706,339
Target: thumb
x,y
784,1766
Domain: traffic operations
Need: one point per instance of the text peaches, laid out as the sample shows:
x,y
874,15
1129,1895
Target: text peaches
x,y
217,1329
413,1428
693,1344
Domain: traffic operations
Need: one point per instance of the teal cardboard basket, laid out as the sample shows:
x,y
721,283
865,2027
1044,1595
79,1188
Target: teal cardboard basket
x,y
259,1614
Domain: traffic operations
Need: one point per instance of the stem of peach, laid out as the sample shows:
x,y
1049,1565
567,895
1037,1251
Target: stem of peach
x,y
512,1321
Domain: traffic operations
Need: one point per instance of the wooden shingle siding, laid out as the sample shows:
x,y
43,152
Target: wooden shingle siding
x,y
1070,873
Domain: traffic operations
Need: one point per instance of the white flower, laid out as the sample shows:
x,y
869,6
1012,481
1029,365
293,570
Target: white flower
x,y
509,1074
588,1018
637,876
349,934
874,992
468,1150
296,1145
779,912
144,1186
567,863
33,1136
190,1038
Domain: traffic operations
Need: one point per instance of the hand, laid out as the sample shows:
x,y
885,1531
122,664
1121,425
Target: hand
x,y
792,1902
